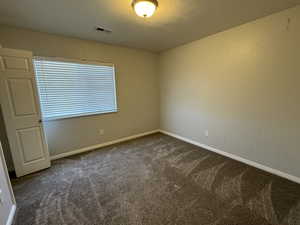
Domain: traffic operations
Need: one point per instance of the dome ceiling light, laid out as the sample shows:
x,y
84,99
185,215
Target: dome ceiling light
x,y
144,8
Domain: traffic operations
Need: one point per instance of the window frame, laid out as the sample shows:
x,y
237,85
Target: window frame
x,y
78,61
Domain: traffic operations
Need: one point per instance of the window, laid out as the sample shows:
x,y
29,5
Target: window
x,y
70,89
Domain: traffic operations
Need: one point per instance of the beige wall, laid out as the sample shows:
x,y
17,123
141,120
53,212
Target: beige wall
x,y
137,88
243,86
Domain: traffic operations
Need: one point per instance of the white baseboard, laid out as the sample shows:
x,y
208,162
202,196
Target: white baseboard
x,y
11,216
93,147
235,157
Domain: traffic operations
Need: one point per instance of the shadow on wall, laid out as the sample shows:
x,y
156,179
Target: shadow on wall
x,y
5,144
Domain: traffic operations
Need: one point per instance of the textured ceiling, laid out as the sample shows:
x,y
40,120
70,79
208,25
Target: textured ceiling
x,y
176,21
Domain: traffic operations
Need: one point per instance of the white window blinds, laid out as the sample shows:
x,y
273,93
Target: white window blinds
x,y
70,89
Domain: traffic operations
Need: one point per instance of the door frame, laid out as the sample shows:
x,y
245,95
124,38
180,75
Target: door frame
x,y
2,158
12,213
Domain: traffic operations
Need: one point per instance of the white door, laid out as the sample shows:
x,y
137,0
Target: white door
x,y
21,109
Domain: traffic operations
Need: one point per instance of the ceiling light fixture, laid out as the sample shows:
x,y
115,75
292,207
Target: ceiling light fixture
x,y
144,8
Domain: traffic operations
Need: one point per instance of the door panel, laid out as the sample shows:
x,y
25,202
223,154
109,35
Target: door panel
x,y
16,63
31,146
21,111
21,96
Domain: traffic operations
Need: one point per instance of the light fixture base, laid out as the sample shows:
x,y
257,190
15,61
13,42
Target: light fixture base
x,y
155,2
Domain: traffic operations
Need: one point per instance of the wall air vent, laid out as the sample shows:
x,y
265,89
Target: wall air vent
x,y
102,29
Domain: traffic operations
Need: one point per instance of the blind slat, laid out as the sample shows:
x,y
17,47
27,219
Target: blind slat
x,y
68,89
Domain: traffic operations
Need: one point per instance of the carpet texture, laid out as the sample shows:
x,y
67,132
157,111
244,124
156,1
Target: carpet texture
x,y
155,180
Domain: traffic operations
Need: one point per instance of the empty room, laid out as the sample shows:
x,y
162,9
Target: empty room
x,y
150,112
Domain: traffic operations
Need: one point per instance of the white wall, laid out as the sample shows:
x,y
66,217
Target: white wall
x,y
6,200
243,86
137,88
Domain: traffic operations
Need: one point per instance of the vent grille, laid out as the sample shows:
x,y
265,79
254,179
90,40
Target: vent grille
x,y
102,29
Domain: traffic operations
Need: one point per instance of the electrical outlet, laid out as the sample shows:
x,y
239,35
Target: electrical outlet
x,y
206,133
101,131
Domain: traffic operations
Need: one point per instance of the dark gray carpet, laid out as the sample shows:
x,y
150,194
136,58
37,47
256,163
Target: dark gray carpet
x,y
155,180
